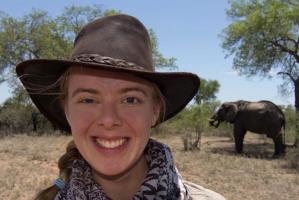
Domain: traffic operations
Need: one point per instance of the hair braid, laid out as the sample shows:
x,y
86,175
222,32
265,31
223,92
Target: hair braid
x,y
65,170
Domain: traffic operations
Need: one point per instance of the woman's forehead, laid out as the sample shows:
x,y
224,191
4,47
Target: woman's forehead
x,y
78,72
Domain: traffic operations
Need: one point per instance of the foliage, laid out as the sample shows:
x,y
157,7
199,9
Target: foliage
x,y
34,36
193,121
17,118
14,116
290,115
190,124
207,91
39,35
293,154
193,118
293,158
264,38
74,18
159,60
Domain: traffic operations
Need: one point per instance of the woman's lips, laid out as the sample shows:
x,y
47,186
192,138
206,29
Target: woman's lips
x,y
111,143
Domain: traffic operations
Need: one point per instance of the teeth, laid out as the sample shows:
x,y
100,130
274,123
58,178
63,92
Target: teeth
x,y
110,144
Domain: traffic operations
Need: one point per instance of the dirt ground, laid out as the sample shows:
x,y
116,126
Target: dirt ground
x,y
29,164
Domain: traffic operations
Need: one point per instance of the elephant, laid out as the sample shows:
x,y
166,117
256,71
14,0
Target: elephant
x,y
39,121
34,119
262,117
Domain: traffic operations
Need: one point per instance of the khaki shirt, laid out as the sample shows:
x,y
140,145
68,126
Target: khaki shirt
x,y
197,192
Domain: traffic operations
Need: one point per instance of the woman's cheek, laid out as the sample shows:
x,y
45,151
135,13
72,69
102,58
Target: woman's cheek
x,y
80,119
138,117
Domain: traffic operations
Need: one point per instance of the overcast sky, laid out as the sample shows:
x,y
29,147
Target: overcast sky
x,y
187,30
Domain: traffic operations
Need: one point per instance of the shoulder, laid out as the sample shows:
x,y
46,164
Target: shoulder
x,y
197,192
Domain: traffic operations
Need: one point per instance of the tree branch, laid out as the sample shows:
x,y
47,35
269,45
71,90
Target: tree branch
x,y
34,52
295,43
12,63
292,3
285,49
287,74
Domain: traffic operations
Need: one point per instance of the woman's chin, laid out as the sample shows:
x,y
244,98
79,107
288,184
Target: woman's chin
x,y
109,174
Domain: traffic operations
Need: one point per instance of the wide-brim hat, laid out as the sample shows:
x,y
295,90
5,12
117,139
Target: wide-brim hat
x,y
117,43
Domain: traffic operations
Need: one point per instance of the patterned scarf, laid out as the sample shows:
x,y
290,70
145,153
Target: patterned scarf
x,y
163,181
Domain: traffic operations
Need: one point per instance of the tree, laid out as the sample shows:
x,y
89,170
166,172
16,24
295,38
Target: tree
x,y
207,91
159,60
194,119
39,35
264,37
74,18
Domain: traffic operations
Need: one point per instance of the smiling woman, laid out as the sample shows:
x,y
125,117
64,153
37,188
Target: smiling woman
x,y
109,96
118,111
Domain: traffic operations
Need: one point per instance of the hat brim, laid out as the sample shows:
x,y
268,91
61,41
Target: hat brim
x,y
178,88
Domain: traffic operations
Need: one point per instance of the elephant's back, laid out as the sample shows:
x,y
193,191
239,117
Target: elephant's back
x,y
263,107
273,109
260,116
256,106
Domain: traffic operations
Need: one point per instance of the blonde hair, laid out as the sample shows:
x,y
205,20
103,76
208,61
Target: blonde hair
x,y
72,153
65,171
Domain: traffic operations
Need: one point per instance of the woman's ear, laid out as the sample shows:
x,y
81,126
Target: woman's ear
x,y
66,110
157,110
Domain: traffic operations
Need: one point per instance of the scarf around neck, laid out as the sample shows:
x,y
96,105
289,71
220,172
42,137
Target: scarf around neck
x,y
163,181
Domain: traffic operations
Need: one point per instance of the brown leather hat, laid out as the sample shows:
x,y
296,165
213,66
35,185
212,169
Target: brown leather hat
x,y
116,43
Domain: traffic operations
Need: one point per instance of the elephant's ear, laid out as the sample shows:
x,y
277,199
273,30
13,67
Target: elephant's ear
x,y
231,113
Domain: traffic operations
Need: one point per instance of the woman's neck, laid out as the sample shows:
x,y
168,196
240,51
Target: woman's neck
x,y
125,186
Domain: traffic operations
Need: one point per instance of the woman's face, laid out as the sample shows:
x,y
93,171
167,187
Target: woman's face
x,y
110,115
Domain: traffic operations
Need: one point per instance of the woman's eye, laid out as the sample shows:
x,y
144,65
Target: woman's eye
x,y
132,100
87,101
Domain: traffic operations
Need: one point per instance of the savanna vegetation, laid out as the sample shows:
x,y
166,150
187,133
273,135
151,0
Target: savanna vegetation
x,y
29,164
263,37
203,154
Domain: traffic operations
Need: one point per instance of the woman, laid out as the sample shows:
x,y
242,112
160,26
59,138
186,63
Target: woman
x,y
109,97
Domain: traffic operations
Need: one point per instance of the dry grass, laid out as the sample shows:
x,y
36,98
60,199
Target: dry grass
x,y
28,164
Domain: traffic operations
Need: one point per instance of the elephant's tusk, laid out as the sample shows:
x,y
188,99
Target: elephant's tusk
x,y
212,122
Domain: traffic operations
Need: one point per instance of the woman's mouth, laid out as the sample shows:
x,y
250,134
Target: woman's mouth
x,y
111,143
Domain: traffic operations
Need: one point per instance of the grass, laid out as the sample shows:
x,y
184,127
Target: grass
x,y
29,164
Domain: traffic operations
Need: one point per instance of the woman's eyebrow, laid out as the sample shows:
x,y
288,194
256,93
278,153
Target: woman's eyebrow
x,y
84,90
136,89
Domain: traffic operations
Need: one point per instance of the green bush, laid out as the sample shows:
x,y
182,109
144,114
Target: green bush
x,y
17,118
192,119
293,158
290,129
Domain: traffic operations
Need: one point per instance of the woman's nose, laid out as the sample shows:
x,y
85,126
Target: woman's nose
x,y
108,116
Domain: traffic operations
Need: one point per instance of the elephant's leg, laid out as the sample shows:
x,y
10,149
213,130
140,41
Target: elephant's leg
x,y
278,144
239,133
34,126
